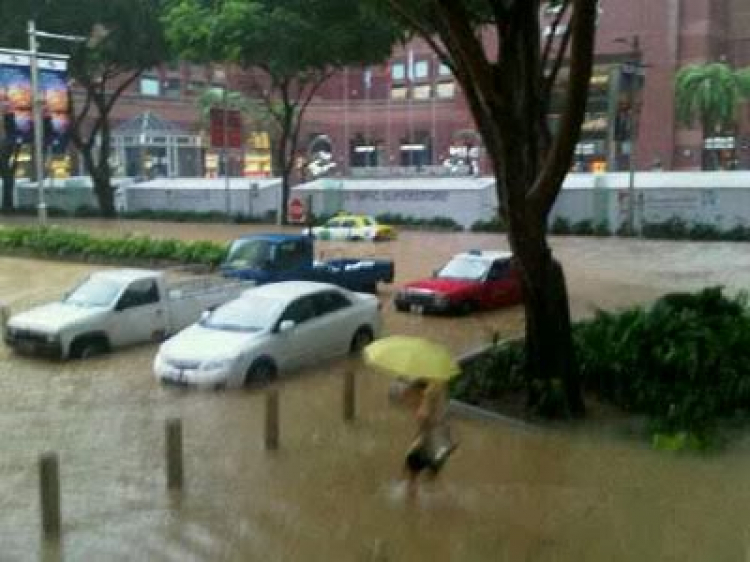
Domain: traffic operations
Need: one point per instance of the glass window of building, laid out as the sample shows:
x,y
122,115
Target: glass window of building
x,y
422,69
444,70
172,87
150,86
398,71
398,93
446,90
422,92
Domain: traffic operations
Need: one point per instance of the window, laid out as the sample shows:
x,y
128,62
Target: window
x,y
349,223
172,87
330,301
299,311
398,71
446,90
150,86
398,93
289,255
333,223
422,69
444,70
139,293
422,92
499,270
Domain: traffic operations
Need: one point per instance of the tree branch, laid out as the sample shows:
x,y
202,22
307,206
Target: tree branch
x,y
542,195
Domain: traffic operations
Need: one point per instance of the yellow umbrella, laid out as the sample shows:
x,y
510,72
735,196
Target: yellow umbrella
x,y
412,358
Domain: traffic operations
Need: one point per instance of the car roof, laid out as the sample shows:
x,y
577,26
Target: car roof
x,y
290,290
486,255
126,275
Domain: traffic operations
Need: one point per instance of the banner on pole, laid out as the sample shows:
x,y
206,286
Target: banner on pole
x,y
16,97
226,128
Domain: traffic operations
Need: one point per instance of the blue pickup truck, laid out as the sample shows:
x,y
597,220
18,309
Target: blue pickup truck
x,y
269,258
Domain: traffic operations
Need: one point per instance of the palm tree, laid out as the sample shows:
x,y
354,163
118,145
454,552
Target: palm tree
x,y
710,94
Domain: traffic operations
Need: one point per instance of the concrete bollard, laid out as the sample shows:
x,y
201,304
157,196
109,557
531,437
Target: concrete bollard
x,y
173,428
49,486
4,316
272,419
350,395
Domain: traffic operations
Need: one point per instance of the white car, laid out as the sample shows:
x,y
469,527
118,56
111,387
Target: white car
x,y
269,329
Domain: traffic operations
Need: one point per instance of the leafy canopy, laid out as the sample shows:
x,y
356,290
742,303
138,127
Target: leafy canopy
x,y
282,37
710,94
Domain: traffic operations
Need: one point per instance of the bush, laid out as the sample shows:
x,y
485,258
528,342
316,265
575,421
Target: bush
x,y
61,243
682,363
495,224
561,225
436,223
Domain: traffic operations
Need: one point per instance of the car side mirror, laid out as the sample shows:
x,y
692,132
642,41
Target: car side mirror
x,y
205,314
286,326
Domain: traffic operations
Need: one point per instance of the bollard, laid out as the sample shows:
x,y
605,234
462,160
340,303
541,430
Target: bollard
x,y
272,419
174,454
49,482
4,316
349,395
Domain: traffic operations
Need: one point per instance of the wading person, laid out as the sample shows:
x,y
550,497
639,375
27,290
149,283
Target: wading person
x,y
432,443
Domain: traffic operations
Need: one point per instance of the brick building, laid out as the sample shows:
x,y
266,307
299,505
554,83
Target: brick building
x,y
410,112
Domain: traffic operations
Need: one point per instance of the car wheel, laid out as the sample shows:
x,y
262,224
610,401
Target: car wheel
x,y
467,307
88,348
262,371
361,339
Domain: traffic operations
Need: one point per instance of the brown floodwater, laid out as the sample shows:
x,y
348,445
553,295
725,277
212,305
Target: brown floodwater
x,y
333,490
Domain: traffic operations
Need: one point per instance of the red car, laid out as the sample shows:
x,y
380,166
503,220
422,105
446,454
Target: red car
x,y
473,280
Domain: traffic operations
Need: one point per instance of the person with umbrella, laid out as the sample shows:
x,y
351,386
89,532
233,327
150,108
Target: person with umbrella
x,y
427,367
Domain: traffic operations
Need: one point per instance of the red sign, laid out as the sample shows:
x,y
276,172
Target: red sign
x,y
296,211
229,136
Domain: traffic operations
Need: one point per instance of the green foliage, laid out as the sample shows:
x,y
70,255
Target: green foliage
x,y
492,376
61,243
495,224
710,94
432,223
682,363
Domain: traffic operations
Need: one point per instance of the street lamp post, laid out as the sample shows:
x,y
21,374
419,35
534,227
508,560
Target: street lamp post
x,y
635,68
37,102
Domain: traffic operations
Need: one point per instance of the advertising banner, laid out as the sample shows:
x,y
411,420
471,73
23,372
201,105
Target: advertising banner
x,y
15,99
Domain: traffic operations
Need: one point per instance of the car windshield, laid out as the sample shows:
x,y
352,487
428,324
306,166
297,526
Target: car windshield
x,y
249,253
246,314
464,268
94,291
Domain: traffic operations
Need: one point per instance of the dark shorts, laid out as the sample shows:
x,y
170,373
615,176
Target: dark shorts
x,y
419,459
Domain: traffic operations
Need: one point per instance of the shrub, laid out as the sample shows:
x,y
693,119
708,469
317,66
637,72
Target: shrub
x,y
682,363
57,242
495,224
560,225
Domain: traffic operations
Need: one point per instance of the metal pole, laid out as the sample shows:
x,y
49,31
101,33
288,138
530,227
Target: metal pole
x,y
36,104
635,67
49,493
224,151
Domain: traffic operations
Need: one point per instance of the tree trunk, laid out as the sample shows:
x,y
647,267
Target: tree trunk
x,y
102,184
9,182
551,368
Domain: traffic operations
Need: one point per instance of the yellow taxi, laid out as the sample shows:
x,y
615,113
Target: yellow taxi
x,y
345,226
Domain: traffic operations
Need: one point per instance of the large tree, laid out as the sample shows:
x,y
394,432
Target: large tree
x,y
128,39
289,47
507,70
710,95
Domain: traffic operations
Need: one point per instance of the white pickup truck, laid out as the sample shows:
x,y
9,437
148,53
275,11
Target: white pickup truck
x,y
116,308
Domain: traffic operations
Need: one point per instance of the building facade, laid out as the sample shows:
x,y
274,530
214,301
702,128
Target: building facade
x,y
409,114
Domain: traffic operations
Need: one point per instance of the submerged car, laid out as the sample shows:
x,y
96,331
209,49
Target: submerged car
x,y
353,227
470,281
269,330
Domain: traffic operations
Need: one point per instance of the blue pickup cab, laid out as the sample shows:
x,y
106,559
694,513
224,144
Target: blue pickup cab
x,y
269,258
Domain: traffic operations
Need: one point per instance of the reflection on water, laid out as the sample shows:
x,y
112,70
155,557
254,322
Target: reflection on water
x,y
333,491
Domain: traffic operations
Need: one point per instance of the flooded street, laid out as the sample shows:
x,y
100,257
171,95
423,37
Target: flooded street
x,y
333,490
